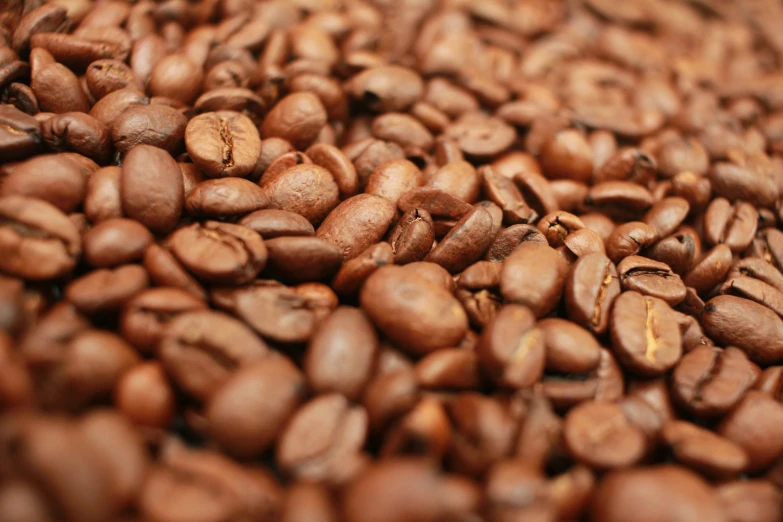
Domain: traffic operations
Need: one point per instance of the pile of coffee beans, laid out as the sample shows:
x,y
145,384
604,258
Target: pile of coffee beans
x,y
391,261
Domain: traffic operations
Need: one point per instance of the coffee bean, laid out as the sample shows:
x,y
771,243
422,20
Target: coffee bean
x,y
459,179
750,500
755,411
54,178
733,226
590,289
223,143
20,134
57,90
225,197
115,242
175,76
37,241
164,269
236,254
652,278
644,334
569,348
332,159
248,428
155,125
272,223
106,290
403,305
465,243
297,118
300,259
387,88
703,450
598,435
543,290
202,349
394,178
307,190
755,290
754,328
151,188
666,215
357,223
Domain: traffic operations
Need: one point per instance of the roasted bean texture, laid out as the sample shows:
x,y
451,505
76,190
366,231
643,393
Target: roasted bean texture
x,y
391,261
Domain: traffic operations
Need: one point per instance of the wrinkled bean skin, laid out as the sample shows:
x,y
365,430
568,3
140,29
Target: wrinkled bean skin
x,y
377,261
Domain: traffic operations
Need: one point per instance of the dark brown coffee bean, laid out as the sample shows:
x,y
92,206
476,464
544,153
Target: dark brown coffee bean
x,y
115,242
449,368
297,118
45,19
151,188
439,204
621,199
272,223
709,381
570,349
404,306
106,76
503,192
666,215
756,411
710,270
299,259
323,440
220,253
223,143
678,251
37,241
645,336
559,225
355,272
734,226
106,290
629,239
599,435
54,178
246,428
109,108
703,450
755,290
57,90
203,349
20,134
590,289
465,243
78,132
156,125
145,316
626,494
357,223
224,197
757,269
308,190
512,350
510,238
412,237
534,275
754,328
627,164
652,278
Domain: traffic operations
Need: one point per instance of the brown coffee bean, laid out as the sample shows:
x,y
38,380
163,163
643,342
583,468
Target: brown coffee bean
x,y
709,381
567,155
201,350
224,197
308,190
57,90
323,439
151,188
756,411
599,435
106,290
629,239
357,223
108,109
283,163
510,238
164,269
459,179
78,132
332,159
652,278
300,259
757,500
387,88
115,242
404,306
755,290
734,226
412,237
512,350
569,347
54,178
750,180
220,252
144,395
590,289
627,494
272,223
621,199
394,178
752,327
627,164
666,215
465,243
223,143
645,336
176,76
757,269
106,76
703,450
247,427
20,134
534,275
37,241
156,125
503,192
297,118
449,368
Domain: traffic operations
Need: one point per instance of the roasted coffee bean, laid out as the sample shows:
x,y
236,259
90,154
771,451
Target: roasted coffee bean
x,y
156,125
223,197
20,134
710,270
512,349
625,494
744,501
569,347
247,428
756,411
202,349
404,306
115,242
567,155
297,118
299,259
732,226
272,223
411,238
645,336
308,190
223,143
629,239
106,289
355,272
755,290
357,223
590,289
466,242
164,269
666,215
703,450
37,241
709,381
559,225
504,193
151,188
459,179
55,178
678,251
510,238
652,278
754,328
541,292
391,179
599,435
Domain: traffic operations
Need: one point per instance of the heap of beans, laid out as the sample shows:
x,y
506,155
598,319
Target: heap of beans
x,y
391,261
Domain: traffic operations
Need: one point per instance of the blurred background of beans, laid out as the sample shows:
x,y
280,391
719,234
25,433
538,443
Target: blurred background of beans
x,y
391,261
